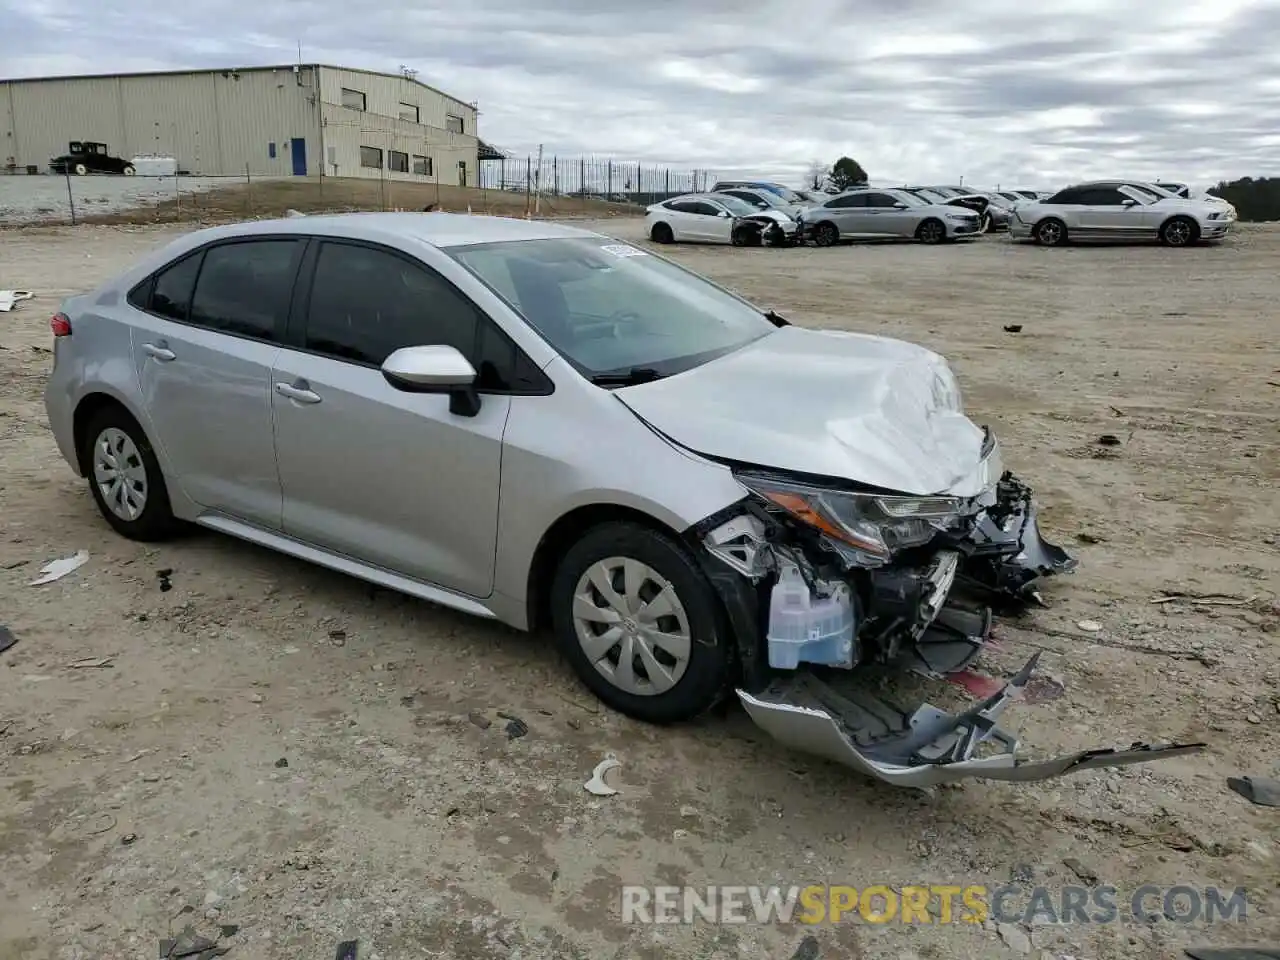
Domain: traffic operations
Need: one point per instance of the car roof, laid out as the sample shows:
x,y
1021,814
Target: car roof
x,y
710,195
435,229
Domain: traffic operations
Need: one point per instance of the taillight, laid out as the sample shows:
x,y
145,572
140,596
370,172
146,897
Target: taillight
x,y
60,324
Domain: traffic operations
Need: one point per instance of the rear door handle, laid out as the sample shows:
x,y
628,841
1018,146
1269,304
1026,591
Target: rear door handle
x,y
299,391
160,351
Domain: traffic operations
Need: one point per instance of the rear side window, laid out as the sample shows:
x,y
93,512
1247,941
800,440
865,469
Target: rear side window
x,y
171,296
853,200
244,288
367,303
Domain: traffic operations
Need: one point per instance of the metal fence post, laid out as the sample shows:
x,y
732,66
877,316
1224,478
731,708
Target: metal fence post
x,y
70,196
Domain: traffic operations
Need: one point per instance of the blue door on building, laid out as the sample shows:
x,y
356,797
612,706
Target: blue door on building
x,y
299,150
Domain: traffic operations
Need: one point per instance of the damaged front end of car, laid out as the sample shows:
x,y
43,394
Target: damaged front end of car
x,y
770,229
822,579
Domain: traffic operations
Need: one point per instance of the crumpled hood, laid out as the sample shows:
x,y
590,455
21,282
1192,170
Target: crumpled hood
x,y
777,216
862,408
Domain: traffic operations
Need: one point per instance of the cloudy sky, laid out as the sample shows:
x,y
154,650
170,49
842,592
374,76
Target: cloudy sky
x,y
1016,92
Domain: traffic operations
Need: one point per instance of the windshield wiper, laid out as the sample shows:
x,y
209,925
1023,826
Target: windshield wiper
x,y
776,320
625,378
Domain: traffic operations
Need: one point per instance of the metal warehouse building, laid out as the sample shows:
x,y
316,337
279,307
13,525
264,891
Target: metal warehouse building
x,y
294,120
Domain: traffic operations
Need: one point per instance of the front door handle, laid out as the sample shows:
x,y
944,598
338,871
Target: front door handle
x,y
160,351
299,391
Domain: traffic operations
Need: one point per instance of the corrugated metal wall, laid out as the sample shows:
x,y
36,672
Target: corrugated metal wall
x,y
347,129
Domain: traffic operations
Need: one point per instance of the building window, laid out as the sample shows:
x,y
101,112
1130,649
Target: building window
x,y
353,99
371,157
453,124
271,150
409,111
397,161
422,166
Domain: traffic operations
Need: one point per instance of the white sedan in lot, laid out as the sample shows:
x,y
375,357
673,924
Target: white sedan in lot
x,y
717,218
1120,210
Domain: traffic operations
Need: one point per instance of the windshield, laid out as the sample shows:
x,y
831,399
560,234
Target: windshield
x,y
608,307
736,206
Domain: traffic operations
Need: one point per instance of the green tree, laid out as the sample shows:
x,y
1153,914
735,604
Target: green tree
x,y
1255,200
845,173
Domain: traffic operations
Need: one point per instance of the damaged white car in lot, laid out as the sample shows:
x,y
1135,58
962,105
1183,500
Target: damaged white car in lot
x,y
540,425
717,218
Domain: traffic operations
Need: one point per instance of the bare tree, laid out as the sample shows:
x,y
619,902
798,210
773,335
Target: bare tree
x,y
817,177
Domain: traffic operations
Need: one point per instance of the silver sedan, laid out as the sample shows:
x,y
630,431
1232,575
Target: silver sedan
x,y
876,214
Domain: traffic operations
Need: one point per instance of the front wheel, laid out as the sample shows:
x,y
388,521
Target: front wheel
x,y
640,624
931,231
825,234
1179,232
128,170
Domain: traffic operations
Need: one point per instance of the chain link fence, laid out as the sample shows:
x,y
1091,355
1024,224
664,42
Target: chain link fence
x,y
557,187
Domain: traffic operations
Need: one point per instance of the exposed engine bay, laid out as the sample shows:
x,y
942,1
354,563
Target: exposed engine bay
x,y
770,229
845,578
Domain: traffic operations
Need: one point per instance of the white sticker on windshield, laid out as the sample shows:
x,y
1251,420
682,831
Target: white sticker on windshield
x,y
622,250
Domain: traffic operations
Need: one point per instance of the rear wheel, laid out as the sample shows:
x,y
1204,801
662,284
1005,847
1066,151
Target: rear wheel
x,y
1051,232
931,231
826,234
1180,232
661,233
79,169
640,624
124,477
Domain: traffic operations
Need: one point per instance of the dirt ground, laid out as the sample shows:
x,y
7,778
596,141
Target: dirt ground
x,y
279,748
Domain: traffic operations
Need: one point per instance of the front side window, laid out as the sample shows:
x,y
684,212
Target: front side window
x,y
244,288
608,307
366,303
849,200
880,200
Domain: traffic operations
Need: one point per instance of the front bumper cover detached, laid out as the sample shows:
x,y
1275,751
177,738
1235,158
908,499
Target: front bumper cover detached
x,y
926,747
836,717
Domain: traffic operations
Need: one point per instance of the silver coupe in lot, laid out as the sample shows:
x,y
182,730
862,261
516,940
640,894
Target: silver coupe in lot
x,y
868,213
545,426
1121,211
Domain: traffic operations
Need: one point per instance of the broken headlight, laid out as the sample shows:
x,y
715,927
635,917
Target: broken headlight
x,y
866,528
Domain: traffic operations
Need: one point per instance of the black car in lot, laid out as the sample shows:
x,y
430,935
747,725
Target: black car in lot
x,y
87,156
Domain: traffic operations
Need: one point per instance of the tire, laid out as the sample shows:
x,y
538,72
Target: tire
x,y
931,231
128,170
114,429
677,690
1050,232
80,170
825,234
1179,232
661,233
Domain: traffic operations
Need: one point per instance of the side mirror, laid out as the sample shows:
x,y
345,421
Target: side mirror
x,y
899,205
435,369
723,214
1128,202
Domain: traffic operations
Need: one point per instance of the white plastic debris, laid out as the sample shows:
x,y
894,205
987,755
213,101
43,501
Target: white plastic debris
x,y
1089,626
10,298
596,785
58,569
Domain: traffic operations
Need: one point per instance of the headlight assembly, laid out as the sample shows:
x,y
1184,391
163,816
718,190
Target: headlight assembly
x,y
873,527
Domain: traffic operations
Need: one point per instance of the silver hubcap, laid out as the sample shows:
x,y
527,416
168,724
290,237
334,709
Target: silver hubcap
x,y
1178,233
119,473
632,626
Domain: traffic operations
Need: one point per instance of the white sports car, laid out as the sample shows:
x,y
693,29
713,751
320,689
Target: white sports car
x,y
1121,210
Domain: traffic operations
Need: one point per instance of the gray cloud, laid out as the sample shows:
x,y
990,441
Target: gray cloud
x,y
993,90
